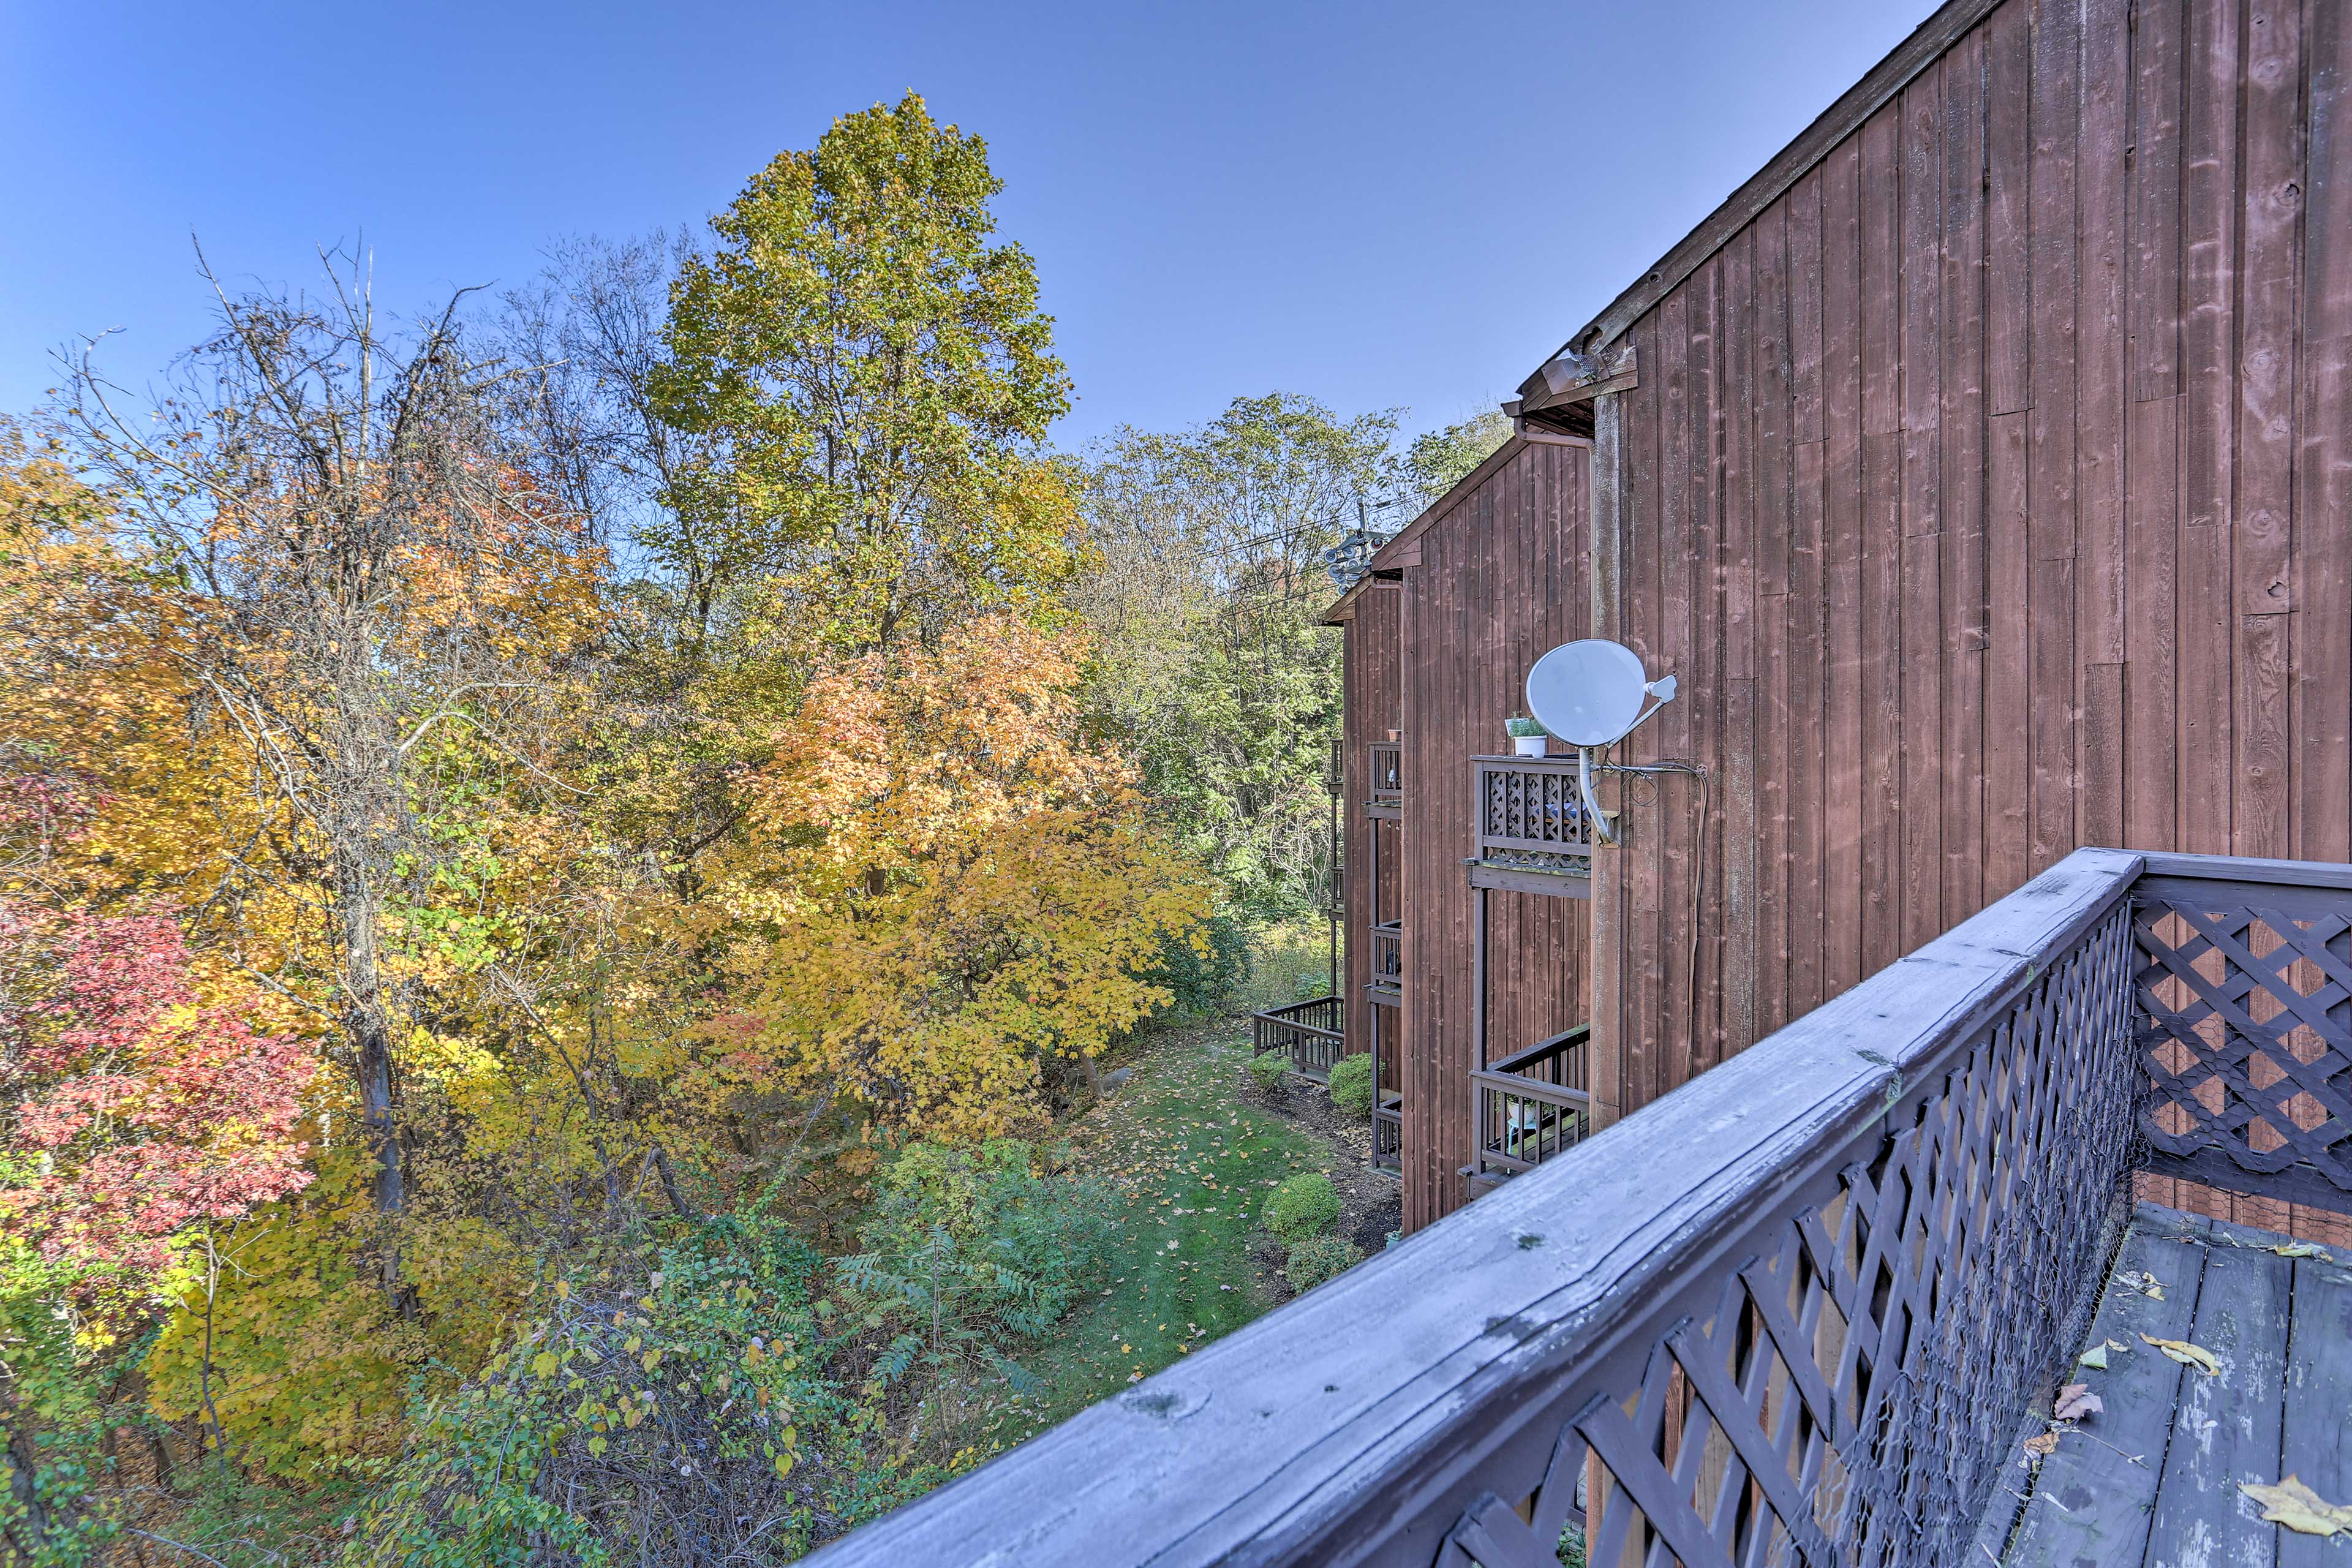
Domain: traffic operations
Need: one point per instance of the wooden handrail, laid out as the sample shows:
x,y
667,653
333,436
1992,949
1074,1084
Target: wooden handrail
x,y
1568,1039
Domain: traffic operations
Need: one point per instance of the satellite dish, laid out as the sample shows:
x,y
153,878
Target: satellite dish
x,y
1590,693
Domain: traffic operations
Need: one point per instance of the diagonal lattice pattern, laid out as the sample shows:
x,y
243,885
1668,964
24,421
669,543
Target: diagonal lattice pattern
x,y
2246,1030
1850,1390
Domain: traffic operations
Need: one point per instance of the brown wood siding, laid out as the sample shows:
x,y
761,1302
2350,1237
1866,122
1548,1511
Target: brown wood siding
x,y
1372,708
1990,493
1503,577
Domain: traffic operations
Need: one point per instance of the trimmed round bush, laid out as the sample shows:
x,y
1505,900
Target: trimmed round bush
x,y
1302,1207
1269,1070
1351,1085
1317,1259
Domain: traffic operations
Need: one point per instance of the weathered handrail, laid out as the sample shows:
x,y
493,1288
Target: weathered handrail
x,y
1310,1033
1792,1311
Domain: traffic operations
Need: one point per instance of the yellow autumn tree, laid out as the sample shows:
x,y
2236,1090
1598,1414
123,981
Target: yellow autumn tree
x,y
944,894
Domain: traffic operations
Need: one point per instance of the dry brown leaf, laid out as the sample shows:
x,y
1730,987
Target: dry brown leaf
x,y
2298,1508
2077,1401
2043,1446
2188,1354
2303,1249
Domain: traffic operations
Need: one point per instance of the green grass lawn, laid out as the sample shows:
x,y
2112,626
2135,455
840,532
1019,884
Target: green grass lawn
x,y
1193,1158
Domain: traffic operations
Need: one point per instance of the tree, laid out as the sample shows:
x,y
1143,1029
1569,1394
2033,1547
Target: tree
x,y
357,573
1211,668
946,897
133,1109
872,377
1438,459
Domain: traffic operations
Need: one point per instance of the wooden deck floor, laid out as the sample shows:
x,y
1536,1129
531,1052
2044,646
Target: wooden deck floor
x,y
2152,1479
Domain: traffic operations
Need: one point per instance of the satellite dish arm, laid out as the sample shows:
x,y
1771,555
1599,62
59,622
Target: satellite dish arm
x,y
1601,825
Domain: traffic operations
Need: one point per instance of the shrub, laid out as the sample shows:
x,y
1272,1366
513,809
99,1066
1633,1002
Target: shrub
x,y
1302,1207
605,1385
1269,1070
1319,1257
1351,1085
1309,986
975,1248
1199,965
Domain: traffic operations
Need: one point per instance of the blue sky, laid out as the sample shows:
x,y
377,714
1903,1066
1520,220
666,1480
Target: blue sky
x,y
1376,204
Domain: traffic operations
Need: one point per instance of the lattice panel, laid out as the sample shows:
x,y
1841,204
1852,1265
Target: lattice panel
x,y
2246,1032
1847,1393
1533,816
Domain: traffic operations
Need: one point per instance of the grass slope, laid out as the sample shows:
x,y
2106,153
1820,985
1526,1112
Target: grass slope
x,y
1194,1157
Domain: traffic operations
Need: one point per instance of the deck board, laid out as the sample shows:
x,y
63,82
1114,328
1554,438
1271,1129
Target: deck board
x,y
2153,1478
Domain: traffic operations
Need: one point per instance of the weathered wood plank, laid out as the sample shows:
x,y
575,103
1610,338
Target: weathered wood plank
x,y
2050,442
2322,633
2153,286
2008,754
2226,1425
1841,315
1920,351
1966,584
2009,226
2100,191
2206,619
2152,511
2315,1431
2090,1503
2269,268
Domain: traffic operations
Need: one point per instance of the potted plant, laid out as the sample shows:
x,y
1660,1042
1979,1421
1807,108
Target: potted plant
x,y
1528,739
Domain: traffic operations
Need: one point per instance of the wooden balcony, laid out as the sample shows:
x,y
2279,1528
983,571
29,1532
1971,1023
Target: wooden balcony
x,y
1532,833
1309,1032
1387,983
1386,794
1808,1308
1388,1099
1532,1106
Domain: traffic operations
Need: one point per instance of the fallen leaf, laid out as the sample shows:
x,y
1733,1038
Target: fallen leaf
x,y
2077,1401
2043,1446
2095,1358
2188,1354
2303,1249
2298,1507
2146,1284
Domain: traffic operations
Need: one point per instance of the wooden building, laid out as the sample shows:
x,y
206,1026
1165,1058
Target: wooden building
x,y
1983,471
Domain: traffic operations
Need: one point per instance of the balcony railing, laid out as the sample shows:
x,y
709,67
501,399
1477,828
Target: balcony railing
x,y
1530,820
1795,1312
1532,1106
1388,1099
1387,983
1386,794
1310,1033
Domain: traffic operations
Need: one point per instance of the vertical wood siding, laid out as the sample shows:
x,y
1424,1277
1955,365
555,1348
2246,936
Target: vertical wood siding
x,y
1501,577
1373,706
1991,494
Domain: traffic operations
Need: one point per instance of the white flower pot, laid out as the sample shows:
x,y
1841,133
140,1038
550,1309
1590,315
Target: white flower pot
x,y
1530,745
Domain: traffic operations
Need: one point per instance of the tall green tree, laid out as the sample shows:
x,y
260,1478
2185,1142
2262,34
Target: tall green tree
x,y
1439,459
1213,667
871,378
